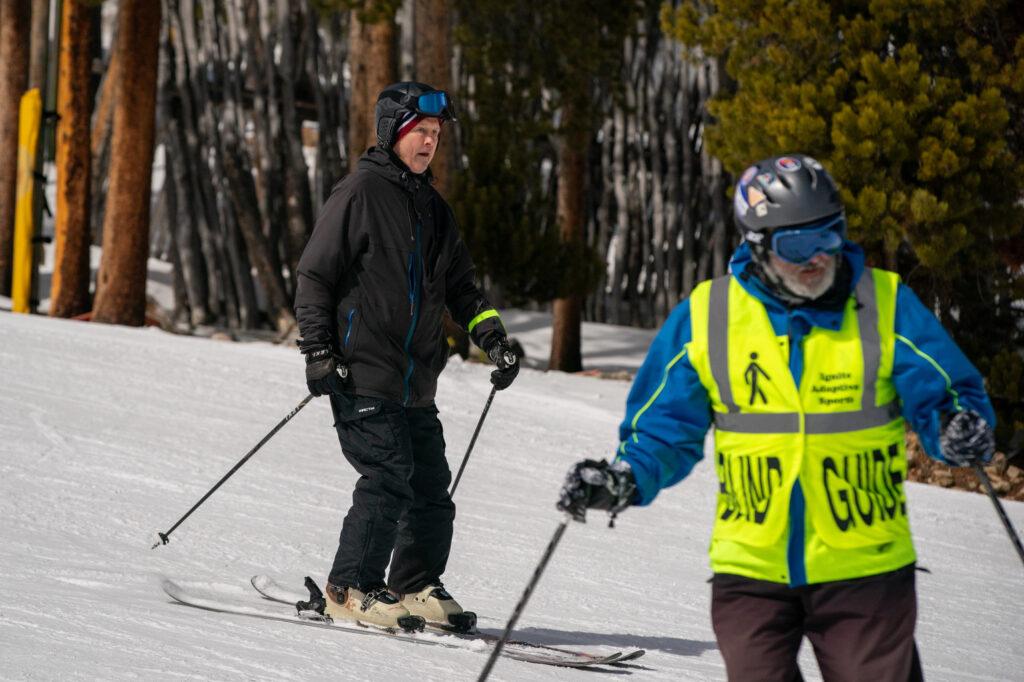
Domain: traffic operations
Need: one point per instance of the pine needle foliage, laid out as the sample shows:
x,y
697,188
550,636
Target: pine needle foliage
x,y
916,110
524,65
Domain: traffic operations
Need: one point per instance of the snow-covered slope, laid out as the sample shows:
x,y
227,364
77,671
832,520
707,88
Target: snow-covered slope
x,y
109,434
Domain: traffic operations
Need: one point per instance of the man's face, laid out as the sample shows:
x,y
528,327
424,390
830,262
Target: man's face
x,y
810,280
416,148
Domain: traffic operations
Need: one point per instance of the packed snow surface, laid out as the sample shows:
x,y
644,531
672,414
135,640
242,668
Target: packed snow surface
x,y
110,434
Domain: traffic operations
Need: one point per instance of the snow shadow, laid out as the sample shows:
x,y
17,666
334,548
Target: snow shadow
x,y
669,645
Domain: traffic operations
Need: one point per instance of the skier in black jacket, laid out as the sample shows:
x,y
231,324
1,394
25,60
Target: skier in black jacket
x,y
384,261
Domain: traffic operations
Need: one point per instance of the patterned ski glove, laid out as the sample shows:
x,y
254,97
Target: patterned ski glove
x,y
966,439
502,355
597,485
325,373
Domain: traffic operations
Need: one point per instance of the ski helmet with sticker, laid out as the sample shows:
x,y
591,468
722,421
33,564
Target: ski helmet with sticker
x,y
399,101
783,191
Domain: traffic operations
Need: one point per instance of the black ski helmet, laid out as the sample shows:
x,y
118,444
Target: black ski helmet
x,y
398,100
783,191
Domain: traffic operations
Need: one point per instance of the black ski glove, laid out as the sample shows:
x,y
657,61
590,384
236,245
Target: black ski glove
x,y
966,439
502,355
597,485
325,373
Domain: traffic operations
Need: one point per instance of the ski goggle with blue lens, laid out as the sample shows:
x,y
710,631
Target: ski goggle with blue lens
x,y
432,103
435,104
800,245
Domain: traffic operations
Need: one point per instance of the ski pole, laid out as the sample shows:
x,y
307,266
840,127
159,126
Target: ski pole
x,y
164,538
496,651
1014,538
472,441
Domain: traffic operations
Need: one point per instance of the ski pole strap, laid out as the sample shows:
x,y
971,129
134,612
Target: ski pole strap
x,y
1014,538
496,651
164,537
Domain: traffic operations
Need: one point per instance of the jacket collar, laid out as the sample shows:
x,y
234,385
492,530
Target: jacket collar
x,y
817,317
387,165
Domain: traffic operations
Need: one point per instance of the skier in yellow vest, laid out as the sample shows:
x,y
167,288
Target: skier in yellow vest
x,y
808,364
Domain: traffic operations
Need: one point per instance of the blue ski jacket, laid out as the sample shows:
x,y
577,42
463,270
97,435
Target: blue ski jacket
x,y
662,445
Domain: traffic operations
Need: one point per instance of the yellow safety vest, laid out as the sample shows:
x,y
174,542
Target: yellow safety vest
x,y
839,433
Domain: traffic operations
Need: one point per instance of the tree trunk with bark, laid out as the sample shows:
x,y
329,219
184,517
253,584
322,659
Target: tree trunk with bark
x,y
14,27
433,29
102,124
69,291
121,285
567,311
39,45
373,68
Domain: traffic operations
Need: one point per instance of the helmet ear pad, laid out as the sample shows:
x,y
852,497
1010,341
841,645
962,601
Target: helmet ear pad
x,y
386,128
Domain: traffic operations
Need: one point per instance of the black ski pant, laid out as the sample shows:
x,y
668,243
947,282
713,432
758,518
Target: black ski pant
x,y
401,509
860,629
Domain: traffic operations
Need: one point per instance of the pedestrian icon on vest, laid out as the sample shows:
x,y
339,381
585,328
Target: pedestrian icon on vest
x,y
751,375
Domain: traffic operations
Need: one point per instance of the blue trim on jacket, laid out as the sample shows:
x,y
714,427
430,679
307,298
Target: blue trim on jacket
x,y
668,412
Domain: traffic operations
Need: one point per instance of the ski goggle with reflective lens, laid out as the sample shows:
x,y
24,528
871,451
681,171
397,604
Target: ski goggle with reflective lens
x,y
435,104
800,245
432,103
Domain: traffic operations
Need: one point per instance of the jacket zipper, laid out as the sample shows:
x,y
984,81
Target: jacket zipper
x,y
348,332
414,310
795,544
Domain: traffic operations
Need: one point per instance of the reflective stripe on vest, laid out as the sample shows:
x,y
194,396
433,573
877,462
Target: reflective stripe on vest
x,y
825,433
868,416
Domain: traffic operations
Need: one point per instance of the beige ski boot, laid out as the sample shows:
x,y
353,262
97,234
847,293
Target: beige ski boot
x,y
439,608
376,607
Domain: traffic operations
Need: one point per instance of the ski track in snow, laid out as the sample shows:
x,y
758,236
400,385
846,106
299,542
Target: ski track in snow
x,y
109,434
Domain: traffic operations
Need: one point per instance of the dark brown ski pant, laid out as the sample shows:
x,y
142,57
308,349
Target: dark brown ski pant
x,y
861,630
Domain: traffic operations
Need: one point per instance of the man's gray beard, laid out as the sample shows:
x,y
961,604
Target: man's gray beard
x,y
793,285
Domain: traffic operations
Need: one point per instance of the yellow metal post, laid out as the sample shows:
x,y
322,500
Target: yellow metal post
x,y
28,138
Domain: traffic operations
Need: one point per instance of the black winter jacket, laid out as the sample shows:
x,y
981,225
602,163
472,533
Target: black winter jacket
x,y
384,261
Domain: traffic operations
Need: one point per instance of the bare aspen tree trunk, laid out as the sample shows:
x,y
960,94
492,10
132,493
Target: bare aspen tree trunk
x,y
567,312
662,194
14,28
687,200
314,65
601,227
219,118
266,123
167,131
618,249
329,62
721,247
432,21
121,285
168,201
200,135
373,68
634,220
194,180
191,298
69,291
298,204
241,192
657,279
670,133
